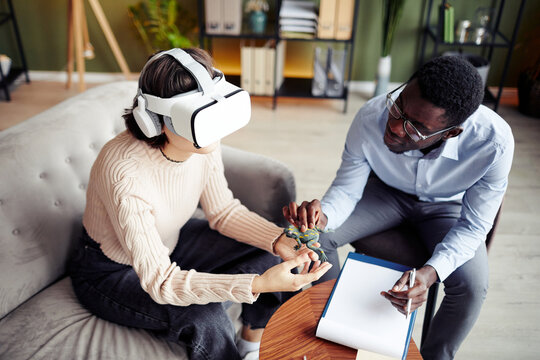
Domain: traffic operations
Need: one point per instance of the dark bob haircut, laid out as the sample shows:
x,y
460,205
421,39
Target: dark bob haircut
x,y
165,77
453,84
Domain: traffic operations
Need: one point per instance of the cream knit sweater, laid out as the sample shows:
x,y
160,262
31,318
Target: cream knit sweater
x,y
138,201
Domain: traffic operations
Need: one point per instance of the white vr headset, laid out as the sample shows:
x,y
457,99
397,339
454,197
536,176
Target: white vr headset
x,y
214,110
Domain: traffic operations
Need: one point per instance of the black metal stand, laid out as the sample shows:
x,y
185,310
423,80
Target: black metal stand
x,y
8,79
496,40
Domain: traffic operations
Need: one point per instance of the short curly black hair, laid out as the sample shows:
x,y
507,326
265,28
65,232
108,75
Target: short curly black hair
x,y
453,84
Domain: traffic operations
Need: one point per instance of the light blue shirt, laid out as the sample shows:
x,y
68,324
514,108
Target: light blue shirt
x,y
472,166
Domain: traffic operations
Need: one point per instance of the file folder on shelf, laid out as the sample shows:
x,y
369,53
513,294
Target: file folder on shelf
x,y
246,76
262,68
232,16
223,16
327,17
344,19
213,14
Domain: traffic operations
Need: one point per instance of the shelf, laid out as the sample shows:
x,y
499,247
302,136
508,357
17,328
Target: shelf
x,y
499,41
297,77
267,36
270,33
299,87
293,87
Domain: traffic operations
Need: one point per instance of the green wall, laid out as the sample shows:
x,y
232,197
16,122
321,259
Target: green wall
x,y
43,27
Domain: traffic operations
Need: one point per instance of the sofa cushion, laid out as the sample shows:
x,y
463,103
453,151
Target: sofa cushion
x,y
53,325
45,164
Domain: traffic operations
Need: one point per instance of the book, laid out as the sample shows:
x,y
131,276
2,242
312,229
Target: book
x,y
223,16
344,19
449,23
280,63
232,16
270,73
213,14
259,71
262,68
298,10
327,16
356,315
246,66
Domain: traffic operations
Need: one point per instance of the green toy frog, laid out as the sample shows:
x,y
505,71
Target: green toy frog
x,y
308,237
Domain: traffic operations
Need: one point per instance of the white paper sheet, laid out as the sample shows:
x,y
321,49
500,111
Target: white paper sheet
x,y
359,317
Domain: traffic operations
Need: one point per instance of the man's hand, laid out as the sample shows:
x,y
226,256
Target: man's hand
x,y
284,247
280,278
307,215
425,277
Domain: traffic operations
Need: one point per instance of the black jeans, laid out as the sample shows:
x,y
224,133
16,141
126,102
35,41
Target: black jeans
x,y
113,292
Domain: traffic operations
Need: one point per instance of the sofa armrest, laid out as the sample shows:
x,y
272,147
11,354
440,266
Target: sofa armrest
x,y
262,184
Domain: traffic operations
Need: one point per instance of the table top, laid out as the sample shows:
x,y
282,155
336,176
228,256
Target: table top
x,y
290,333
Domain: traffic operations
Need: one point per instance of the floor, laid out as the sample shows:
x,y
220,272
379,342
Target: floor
x,y
308,136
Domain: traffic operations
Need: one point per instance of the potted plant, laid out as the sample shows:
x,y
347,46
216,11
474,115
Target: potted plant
x,y
392,11
256,10
159,26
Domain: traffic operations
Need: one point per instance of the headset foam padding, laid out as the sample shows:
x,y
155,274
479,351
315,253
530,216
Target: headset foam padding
x,y
147,120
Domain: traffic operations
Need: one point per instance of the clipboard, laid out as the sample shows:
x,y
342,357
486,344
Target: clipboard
x,y
356,315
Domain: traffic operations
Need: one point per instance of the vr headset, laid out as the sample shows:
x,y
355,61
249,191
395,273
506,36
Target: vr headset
x,y
205,115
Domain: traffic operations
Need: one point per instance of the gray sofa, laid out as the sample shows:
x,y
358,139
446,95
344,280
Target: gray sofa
x,y
44,167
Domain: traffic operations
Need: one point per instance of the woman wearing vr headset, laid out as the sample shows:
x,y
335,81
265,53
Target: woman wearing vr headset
x,y
133,269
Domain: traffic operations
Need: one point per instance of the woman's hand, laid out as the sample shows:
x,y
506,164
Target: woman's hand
x,y
307,215
425,277
284,247
279,277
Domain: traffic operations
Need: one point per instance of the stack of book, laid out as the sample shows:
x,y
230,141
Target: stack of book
x,y
335,19
262,68
298,19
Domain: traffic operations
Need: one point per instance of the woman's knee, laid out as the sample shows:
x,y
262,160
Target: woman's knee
x,y
200,323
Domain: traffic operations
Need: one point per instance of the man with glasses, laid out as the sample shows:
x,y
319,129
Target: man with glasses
x,y
439,161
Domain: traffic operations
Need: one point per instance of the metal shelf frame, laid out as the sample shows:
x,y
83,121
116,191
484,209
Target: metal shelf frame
x,y
291,87
7,79
496,40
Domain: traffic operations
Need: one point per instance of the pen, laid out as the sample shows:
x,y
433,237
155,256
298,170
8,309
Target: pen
x,y
412,276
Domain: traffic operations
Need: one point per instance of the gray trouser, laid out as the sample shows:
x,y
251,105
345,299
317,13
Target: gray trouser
x,y
382,208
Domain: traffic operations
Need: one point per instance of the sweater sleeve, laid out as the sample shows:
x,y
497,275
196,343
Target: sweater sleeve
x,y
228,216
134,222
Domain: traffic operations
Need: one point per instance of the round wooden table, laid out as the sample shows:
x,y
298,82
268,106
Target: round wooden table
x,y
290,333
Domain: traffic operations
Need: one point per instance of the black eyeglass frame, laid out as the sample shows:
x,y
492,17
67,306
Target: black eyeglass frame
x,y
418,136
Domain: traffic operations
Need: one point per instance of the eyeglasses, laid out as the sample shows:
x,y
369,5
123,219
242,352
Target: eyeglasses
x,y
409,128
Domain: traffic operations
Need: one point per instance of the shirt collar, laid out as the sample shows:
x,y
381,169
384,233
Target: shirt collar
x,y
448,149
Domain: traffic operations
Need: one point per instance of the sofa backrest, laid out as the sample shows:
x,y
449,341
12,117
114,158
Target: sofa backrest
x,y
45,163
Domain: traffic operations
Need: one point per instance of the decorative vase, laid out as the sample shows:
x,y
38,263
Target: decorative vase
x,y
257,21
383,75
